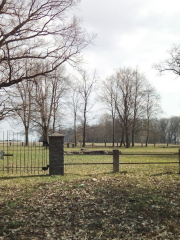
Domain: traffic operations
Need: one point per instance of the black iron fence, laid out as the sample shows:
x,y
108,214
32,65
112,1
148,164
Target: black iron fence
x,y
17,158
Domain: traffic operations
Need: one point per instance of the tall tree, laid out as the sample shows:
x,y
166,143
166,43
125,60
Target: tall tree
x,y
174,129
59,85
138,101
86,86
124,101
163,127
75,105
107,98
152,107
22,103
49,91
126,93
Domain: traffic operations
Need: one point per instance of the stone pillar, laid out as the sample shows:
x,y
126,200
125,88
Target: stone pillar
x,y
56,154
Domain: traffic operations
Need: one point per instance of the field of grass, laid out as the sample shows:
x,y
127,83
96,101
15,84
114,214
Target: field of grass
x,y
124,158
92,202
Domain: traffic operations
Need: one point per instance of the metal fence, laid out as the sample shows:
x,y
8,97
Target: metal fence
x,y
17,158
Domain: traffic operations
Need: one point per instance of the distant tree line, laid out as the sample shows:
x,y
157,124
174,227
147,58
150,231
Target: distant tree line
x,y
163,130
122,109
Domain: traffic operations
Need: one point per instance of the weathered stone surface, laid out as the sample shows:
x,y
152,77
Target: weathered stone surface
x,y
56,154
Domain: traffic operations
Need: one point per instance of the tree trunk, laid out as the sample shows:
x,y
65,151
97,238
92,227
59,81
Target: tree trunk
x,y
127,141
75,130
147,139
84,135
127,137
133,138
122,140
54,123
75,137
84,125
26,136
45,136
113,137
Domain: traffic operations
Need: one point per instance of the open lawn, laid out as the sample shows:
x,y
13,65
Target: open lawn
x,y
90,202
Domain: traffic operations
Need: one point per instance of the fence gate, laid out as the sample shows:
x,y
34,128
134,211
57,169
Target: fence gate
x,y
17,158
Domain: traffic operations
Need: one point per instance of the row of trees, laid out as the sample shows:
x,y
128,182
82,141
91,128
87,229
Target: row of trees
x,y
162,130
44,103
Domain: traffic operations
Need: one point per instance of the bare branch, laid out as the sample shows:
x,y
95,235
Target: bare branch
x,y
38,29
171,64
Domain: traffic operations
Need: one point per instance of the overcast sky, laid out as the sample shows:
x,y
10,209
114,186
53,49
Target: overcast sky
x,y
134,33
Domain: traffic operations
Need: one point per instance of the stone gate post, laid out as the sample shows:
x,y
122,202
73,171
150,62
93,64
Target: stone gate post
x,y
56,154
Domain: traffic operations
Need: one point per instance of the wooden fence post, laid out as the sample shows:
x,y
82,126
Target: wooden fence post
x,y
179,161
115,161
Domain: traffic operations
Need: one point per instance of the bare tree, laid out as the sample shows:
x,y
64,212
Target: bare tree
x,y
124,102
138,93
49,91
163,127
173,131
172,64
107,98
125,94
120,87
105,125
59,86
86,86
37,30
75,105
21,101
152,107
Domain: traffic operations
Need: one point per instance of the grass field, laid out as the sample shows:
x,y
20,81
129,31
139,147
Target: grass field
x,y
91,202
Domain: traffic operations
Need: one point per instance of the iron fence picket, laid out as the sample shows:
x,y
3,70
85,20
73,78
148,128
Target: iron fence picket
x,y
21,159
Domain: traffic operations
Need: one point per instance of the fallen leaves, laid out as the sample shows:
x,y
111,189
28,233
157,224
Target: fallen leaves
x,y
115,207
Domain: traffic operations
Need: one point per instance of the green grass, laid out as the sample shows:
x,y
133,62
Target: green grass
x,y
85,171
97,197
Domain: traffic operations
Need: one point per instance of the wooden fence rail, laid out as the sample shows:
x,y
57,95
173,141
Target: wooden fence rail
x,y
116,159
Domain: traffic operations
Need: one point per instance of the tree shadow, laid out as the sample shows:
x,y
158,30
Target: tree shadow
x,y
161,174
23,177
